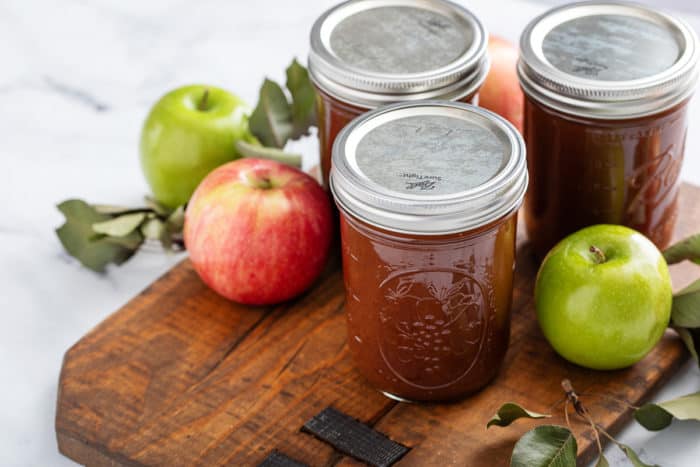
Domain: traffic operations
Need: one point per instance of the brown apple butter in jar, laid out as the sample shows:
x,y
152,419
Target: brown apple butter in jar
x,y
428,195
607,86
369,53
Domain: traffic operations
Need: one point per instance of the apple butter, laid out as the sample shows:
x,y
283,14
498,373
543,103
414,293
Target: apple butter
x,y
428,195
607,87
369,53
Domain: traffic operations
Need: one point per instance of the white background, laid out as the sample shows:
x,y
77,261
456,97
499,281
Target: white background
x,y
76,81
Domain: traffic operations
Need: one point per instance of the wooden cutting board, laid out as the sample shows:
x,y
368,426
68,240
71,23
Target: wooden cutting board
x,y
182,377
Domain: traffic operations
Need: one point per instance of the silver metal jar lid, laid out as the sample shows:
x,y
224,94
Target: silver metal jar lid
x,y
429,168
374,52
608,60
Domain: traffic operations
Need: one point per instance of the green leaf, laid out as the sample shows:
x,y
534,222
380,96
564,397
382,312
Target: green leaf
x,y
303,99
545,446
691,339
509,412
658,416
120,226
93,250
176,220
156,207
132,241
77,210
652,417
172,231
683,408
602,462
153,229
685,310
634,457
686,249
261,152
271,121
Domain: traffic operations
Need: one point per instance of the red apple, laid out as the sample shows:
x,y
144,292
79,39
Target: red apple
x,y
501,91
257,231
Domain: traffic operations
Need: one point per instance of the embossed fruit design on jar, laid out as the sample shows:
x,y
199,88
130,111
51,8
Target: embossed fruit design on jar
x,y
447,323
607,87
428,195
368,53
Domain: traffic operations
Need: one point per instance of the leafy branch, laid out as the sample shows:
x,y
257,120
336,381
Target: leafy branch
x,y
100,234
685,311
555,446
278,118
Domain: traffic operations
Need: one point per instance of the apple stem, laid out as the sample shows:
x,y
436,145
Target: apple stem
x,y
598,253
202,105
265,183
261,181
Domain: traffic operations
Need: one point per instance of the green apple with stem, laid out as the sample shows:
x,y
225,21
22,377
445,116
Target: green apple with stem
x,y
603,297
189,132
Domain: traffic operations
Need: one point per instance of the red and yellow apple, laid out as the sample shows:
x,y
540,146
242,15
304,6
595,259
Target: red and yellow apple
x,y
501,91
257,231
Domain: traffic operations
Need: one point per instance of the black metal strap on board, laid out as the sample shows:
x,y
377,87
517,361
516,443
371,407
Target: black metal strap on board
x,y
277,459
354,438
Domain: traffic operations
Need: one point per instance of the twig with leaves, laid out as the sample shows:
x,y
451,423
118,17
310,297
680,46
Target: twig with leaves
x,y
279,118
554,445
685,314
100,234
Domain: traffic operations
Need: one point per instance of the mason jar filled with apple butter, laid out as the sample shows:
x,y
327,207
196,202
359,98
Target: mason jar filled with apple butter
x,y
428,195
369,53
606,87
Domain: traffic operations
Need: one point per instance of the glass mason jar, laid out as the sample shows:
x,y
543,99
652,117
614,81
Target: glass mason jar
x,y
369,53
607,87
428,195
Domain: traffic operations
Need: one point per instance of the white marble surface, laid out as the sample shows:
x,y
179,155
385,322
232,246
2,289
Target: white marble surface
x,y
76,81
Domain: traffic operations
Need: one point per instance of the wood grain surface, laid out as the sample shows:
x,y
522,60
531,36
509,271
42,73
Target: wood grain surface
x,y
182,377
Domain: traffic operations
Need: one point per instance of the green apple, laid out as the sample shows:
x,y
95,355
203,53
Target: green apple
x,y
189,132
603,297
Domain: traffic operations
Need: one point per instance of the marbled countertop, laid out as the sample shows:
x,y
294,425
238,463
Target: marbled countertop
x,y
76,81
